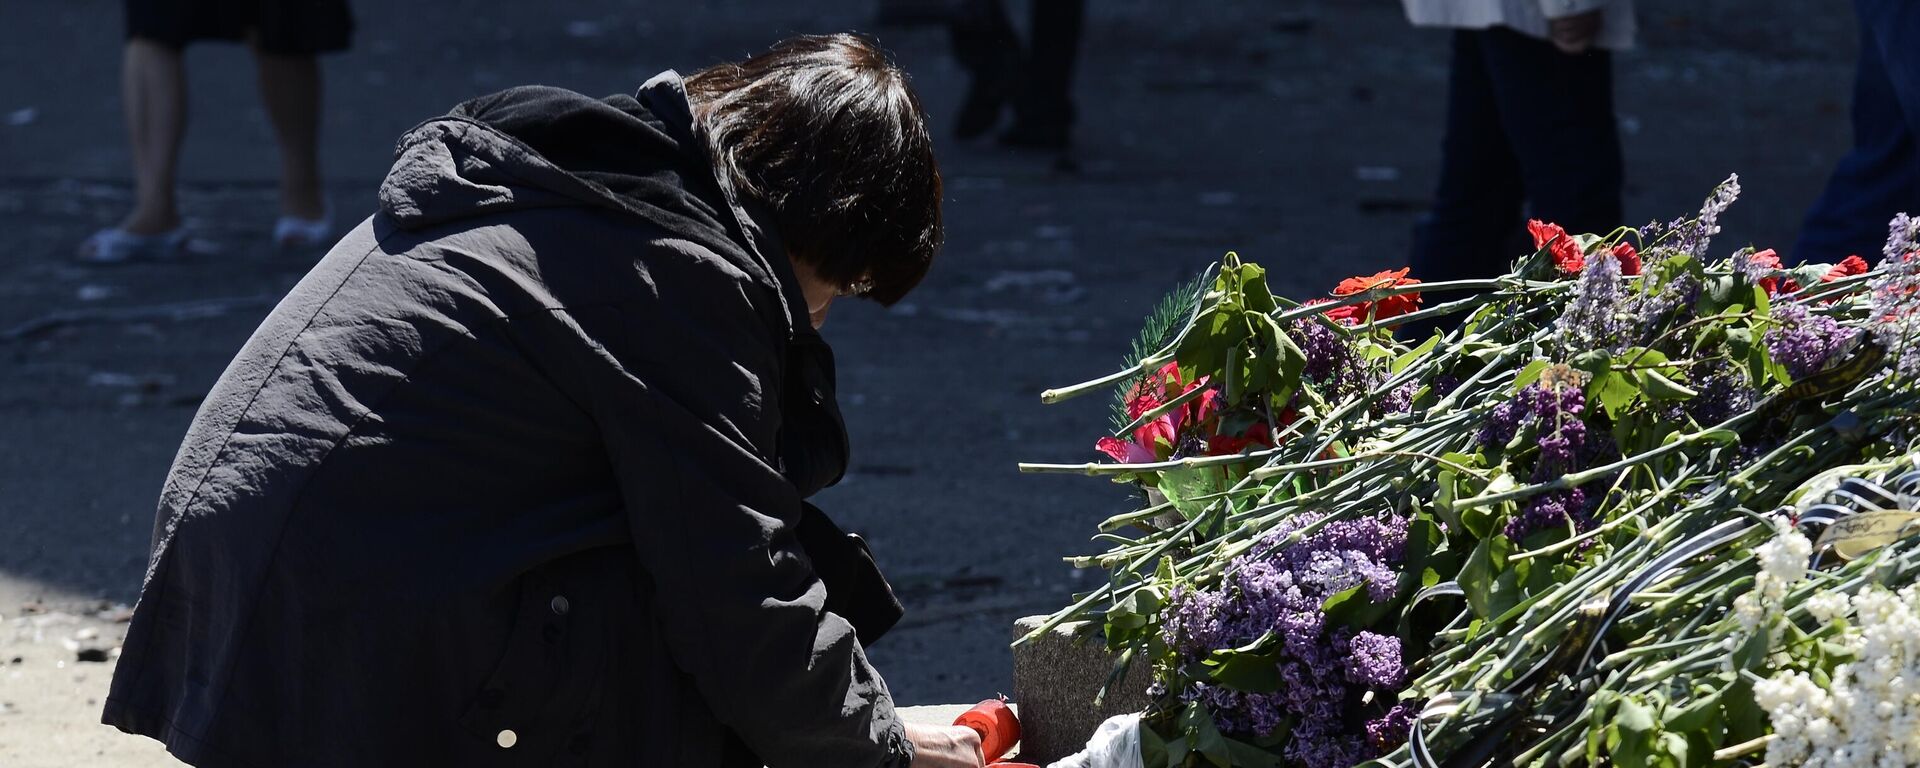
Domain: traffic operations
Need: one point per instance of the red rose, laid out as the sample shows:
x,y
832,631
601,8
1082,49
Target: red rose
x,y
1566,252
1123,451
1848,267
1222,445
1347,315
1770,261
1391,306
1628,257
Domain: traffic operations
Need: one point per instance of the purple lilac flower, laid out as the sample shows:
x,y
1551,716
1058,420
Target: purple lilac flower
x,y
1555,407
1279,587
1755,271
1387,732
1339,371
1695,236
1651,311
1326,350
1903,238
1803,341
1373,660
1896,296
1722,394
1398,400
1502,424
1552,510
1597,317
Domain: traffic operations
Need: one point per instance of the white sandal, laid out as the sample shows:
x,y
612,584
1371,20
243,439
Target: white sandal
x,y
114,245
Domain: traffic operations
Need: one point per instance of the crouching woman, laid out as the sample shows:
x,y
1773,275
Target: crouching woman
x,y
513,476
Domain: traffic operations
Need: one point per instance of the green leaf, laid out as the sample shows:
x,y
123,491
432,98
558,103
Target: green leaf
x,y
1253,287
1716,295
1745,719
1205,736
1594,362
1633,717
1709,337
1246,755
1671,750
1632,743
1752,654
1249,672
1190,489
1614,391
1153,748
1478,520
1718,436
1528,375
1659,387
1697,716
1138,609
1479,577
1400,363
1353,608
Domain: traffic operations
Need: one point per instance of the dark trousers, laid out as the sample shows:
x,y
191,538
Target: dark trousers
x,y
1881,176
1041,80
1530,131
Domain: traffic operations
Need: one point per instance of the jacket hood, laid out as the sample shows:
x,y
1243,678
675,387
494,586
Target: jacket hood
x,y
544,147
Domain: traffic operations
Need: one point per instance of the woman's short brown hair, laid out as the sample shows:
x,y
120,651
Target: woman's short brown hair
x,y
825,130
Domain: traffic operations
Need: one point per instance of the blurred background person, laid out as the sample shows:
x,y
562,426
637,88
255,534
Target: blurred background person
x,y
1529,128
1035,80
1881,175
286,36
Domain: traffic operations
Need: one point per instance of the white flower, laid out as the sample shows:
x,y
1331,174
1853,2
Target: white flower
x,y
1871,714
1821,732
1747,611
1784,557
1827,607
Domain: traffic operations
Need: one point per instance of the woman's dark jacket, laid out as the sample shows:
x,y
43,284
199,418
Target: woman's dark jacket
x,y
510,459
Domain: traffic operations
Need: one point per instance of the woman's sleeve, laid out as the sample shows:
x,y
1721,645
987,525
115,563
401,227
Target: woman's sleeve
x,y
675,390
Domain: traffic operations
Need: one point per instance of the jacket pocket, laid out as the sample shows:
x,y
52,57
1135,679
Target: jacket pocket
x,y
535,707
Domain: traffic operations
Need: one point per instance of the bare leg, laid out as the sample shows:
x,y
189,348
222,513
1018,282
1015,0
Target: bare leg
x,y
153,88
290,88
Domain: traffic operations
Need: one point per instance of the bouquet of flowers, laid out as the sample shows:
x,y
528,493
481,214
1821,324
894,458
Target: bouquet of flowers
x,y
1609,513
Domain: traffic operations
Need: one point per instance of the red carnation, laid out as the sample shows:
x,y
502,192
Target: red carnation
x,y
1628,257
1773,285
1566,252
1848,267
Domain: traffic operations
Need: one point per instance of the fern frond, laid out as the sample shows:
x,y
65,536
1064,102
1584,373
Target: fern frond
x,y
1159,329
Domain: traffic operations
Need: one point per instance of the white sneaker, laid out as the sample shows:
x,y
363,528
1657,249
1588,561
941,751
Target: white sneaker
x,y
114,245
295,232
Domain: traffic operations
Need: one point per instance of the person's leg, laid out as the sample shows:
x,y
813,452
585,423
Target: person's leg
x,y
290,89
1557,110
986,47
1476,205
153,90
1880,176
1044,110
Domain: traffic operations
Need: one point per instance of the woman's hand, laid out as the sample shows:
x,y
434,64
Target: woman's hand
x,y
945,746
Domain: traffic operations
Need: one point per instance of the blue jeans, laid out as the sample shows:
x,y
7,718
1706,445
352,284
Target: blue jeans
x,y
1881,175
1528,128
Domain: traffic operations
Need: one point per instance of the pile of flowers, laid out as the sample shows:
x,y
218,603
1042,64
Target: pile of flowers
x,y
1586,522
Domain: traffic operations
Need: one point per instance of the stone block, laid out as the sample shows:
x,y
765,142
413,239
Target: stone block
x,y
1055,680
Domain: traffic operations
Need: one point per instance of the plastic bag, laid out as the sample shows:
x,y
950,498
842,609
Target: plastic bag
x,y
1115,744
